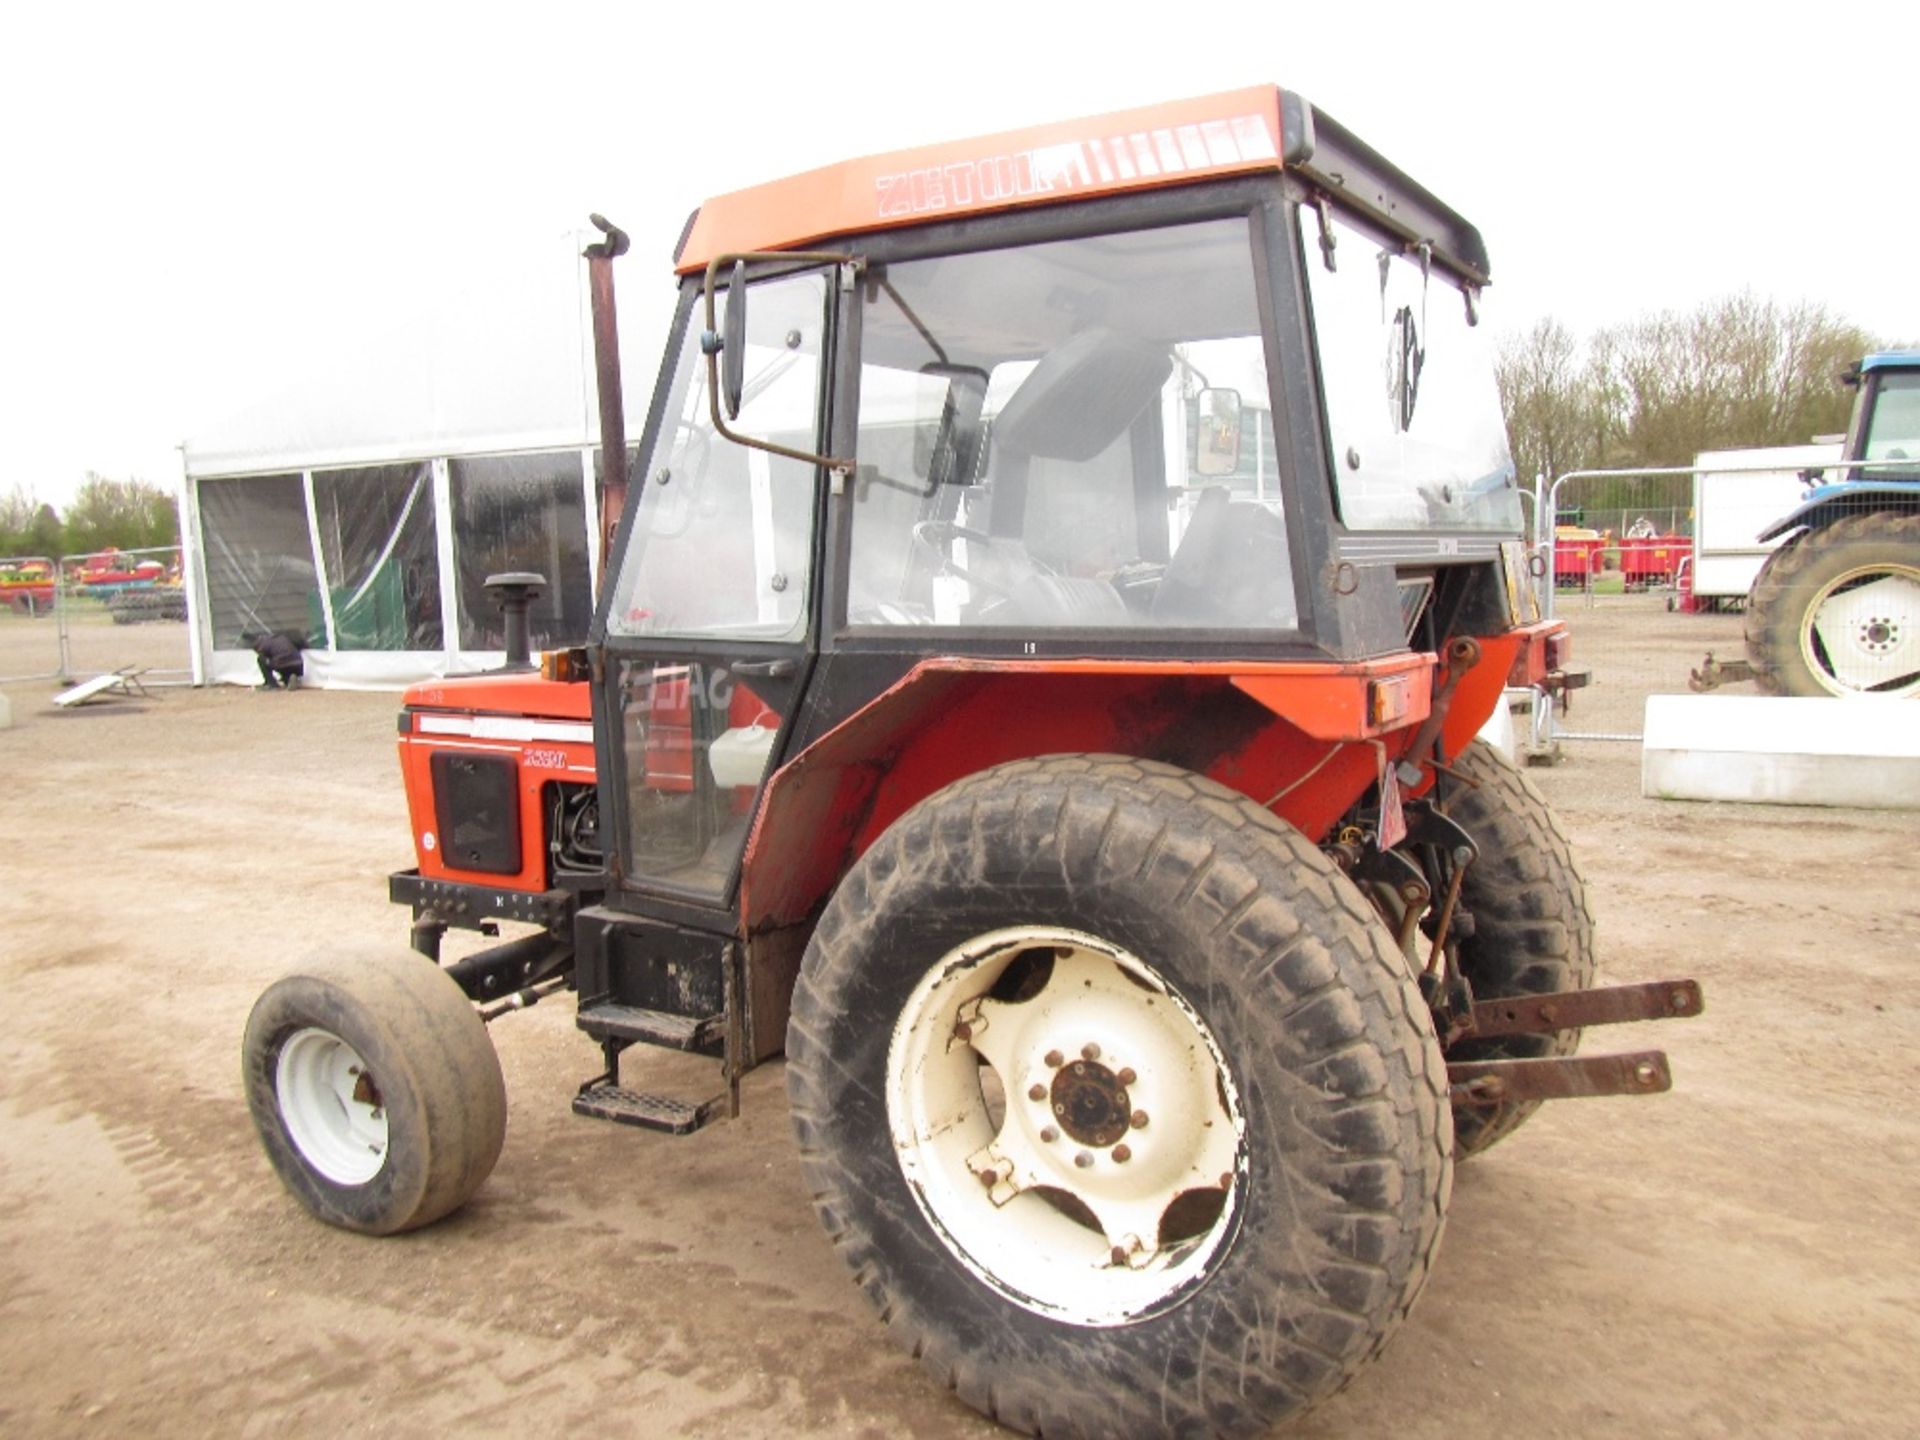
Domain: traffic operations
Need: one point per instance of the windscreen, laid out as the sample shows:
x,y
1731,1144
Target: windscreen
x,y
1413,417
1893,429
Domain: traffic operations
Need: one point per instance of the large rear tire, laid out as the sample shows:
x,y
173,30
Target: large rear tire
x,y
1836,611
1119,1102
1532,928
375,1091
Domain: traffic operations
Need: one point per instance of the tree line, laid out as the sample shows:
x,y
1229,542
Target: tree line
x,y
1737,372
105,513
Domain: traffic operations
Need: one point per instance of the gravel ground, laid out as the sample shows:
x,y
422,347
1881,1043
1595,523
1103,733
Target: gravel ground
x,y
1740,1257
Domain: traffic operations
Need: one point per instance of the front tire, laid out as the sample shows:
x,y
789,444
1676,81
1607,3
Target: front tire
x,y
1836,611
375,1091
1056,960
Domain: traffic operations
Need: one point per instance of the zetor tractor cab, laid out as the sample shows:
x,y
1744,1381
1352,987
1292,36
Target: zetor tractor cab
x,y
1836,609
1035,686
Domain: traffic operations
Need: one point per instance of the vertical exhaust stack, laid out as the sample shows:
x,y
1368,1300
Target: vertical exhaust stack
x,y
514,592
606,360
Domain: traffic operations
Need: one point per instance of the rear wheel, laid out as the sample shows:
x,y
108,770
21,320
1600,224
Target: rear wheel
x,y
1119,1102
1532,930
375,1091
1836,611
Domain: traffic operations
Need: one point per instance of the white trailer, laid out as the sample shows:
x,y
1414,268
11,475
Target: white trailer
x,y
1732,505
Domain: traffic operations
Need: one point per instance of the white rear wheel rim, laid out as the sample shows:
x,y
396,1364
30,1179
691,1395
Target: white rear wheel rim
x,y
331,1106
1101,1184
1861,634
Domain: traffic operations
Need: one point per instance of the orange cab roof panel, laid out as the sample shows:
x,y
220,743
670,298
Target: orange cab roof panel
x,y
1226,134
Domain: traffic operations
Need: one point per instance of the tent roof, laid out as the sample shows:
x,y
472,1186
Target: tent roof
x,y
505,365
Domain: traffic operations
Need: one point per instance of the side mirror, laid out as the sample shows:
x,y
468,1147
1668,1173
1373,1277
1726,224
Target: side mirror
x,y
1217,440
733,348
946,452
725,348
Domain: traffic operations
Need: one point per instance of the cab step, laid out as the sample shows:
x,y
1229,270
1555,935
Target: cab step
x,y
650,1112
701,1034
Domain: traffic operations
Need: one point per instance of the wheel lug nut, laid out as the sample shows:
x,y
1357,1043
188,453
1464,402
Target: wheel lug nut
x,y
1119,1255
1126,1077
1090,1052
1121,1154
989,1178
1139,1119
963,1031
1226,1181
1083,1159
1049,1135
1055,1059
1038,1092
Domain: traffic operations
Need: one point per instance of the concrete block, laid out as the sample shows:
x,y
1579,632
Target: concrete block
x,y
1782,751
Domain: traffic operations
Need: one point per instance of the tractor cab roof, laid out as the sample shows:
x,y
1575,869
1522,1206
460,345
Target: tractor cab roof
x,y
1237,132
1891,360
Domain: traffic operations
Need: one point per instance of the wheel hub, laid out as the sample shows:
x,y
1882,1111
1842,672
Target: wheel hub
x,y
1091,1104
331,1106
1859,634
1102,1180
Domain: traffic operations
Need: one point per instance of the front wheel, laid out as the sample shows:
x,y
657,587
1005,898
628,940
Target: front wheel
x,y
1119,1102
375,1091
1836,611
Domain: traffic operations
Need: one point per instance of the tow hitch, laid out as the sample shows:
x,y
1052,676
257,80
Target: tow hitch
x,y
1494,1082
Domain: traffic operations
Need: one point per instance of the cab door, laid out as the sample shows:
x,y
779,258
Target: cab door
x,y
707,622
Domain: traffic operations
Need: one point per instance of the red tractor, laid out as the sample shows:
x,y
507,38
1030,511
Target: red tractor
x,y
1035,687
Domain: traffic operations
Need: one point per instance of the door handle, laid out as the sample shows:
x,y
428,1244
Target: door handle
x,y
769,669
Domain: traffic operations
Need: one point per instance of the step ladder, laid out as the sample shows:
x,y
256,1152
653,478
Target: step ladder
x,y
617,1026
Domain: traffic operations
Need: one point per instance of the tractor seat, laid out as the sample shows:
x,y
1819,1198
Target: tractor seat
x,y
1069,602
1231,568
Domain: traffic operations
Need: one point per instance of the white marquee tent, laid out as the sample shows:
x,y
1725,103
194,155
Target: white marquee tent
x,y
364,508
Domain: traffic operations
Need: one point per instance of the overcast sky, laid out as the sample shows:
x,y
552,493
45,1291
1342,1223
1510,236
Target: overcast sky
x,y
205,201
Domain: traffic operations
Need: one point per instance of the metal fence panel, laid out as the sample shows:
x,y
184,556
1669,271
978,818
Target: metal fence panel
x,y
121,609
29,635
1836,596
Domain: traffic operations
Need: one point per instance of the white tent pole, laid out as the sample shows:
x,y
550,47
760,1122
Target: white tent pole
x,y
319,559
443,557
592,511
192,573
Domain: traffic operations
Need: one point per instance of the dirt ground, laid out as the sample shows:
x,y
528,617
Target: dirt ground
x,y
1740,1257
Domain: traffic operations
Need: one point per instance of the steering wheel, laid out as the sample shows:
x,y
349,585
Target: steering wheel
x,y
936,536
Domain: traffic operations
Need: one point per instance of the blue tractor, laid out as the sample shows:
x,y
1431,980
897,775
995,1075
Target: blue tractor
x,y
1836,608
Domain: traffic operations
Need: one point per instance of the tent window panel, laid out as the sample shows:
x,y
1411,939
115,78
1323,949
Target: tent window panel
x,y
376,537
521,512
259,560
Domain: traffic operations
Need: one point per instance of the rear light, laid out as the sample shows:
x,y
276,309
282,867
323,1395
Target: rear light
x,y
1388,700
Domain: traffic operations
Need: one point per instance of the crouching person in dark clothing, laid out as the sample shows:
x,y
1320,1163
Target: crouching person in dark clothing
x,y
279,657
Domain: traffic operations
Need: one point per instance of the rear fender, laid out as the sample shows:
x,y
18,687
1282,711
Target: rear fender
x,y
951,718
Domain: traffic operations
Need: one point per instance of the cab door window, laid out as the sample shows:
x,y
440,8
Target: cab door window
x,y
721,545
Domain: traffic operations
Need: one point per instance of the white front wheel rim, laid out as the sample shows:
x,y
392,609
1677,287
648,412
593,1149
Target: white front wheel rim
x,y
1069,1128
331,1106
